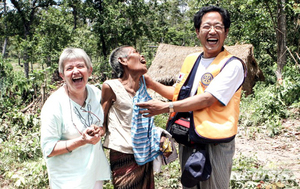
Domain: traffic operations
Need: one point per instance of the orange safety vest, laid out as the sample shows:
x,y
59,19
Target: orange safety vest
x,y
217,122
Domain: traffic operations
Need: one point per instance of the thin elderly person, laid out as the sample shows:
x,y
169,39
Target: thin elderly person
x,y
71,128
213,100
133,140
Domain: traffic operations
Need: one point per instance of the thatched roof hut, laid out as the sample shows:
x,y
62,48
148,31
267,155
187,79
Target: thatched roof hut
x,y
169,58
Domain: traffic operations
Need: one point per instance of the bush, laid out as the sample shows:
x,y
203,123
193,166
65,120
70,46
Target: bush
x,y
290,88
264,107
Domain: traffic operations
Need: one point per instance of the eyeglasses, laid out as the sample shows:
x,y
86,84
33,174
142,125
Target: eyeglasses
x,y
97,122
207,28
83,121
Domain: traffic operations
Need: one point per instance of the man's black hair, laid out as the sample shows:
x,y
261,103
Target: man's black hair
x,y
223,12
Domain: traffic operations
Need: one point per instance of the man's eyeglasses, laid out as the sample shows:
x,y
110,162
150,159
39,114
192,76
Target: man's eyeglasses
x,y
206,27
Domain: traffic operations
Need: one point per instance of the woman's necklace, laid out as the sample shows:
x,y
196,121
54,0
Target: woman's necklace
x,y
83,121
72,114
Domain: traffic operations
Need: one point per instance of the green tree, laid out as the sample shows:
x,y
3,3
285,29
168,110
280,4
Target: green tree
x,y
75,6
171,24
53,33
120,22
5,28
281,38
25,14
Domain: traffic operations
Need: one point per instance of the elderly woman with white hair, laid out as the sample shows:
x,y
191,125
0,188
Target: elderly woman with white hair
x,y
71,128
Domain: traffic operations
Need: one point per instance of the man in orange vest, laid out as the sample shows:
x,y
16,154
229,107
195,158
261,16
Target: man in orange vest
x,y
214,96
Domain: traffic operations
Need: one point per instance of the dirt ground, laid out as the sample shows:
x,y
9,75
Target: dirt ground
x,y
278,153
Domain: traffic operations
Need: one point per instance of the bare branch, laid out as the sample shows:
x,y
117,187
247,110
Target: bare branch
x,y
296,63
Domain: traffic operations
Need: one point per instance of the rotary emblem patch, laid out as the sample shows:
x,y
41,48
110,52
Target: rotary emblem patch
x,y
206,78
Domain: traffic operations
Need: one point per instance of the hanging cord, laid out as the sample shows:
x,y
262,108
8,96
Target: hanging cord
x,y
89,119
83,121
88,111
71,111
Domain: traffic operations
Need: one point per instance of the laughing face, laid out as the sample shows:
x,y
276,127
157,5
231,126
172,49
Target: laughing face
x,y
135,61
212,34
76,74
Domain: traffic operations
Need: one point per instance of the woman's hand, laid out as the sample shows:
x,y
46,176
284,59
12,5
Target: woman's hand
x,y
92,135
102,131
153,107
94,129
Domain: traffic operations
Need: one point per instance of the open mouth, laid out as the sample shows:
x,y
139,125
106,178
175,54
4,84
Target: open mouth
x,y
143,61
212,41
77,79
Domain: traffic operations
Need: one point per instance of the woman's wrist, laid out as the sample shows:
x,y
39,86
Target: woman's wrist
x,y
82,141
66,145
75,143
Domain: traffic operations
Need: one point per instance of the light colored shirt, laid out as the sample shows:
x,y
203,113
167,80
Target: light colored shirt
x,y
225,84
118,136
85,165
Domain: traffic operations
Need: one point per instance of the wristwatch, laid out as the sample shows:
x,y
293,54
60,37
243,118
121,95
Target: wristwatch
x,y
171,107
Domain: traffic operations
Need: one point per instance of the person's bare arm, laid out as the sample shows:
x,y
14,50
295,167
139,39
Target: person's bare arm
x,y
197,102
163,90
107,99
66,146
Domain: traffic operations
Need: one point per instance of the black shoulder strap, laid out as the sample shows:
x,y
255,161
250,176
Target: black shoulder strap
x,y
188,84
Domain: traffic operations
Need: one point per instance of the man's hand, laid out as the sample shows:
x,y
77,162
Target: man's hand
x,y
153,107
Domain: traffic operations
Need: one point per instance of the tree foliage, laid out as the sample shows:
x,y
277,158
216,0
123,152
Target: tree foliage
x,y
101,25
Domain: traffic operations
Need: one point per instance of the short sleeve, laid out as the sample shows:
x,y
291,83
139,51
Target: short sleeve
x,y
227,82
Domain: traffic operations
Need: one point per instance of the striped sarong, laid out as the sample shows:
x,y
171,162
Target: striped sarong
x,y
145,136
127,174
